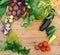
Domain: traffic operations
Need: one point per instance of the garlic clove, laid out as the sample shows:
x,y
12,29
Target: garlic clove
x,y
10,20
5,32
7,25
6,20
7,28
11,17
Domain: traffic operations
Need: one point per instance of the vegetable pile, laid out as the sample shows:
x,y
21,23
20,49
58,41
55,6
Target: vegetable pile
x,y
40,8
43,46
30,10
13,44
15,8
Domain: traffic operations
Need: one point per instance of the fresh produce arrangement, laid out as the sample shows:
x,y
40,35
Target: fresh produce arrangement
x,y
30,10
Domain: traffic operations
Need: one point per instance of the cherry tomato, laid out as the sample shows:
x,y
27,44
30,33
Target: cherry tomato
x,y
43,49
40,45
36,47
45,43
48,48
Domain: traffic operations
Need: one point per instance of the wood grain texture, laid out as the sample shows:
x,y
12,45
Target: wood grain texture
x,y
30,36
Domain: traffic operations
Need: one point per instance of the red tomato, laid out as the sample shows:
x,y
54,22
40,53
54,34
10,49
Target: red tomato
x,y
36,47
40,45
43,49
45,43
48,48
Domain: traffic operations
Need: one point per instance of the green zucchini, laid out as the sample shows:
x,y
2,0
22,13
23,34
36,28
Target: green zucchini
x,y
47,21
50,31
50,35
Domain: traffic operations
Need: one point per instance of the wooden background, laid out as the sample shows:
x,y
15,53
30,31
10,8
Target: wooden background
x,y
30,36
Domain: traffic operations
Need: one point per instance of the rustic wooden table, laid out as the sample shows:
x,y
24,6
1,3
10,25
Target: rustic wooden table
x,y
30,36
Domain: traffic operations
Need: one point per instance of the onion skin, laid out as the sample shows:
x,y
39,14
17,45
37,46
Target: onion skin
x,y
15,8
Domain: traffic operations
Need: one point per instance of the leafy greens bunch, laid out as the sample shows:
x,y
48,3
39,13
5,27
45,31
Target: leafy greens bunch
x,y
3,7
37,9
40,8
13,44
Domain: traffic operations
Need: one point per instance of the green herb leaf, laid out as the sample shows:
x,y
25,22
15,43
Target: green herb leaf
x,y
30,19
23,17
3,2
16,47
25,25
3,7
2,11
